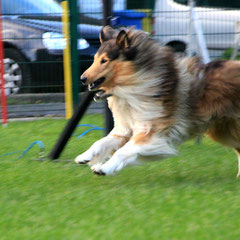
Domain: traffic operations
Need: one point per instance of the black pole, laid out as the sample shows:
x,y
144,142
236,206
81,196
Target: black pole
x,y
71,125
107,12
107,17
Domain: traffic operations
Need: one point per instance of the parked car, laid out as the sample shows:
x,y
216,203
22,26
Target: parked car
x,y
218,19
34,43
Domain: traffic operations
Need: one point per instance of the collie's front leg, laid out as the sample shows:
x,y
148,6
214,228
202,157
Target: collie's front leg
x,y
128,154
101,150
238,155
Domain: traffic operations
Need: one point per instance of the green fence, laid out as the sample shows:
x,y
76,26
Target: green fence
x,y
33,39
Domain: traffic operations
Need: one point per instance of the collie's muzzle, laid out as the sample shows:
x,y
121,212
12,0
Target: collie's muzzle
x,y
94,85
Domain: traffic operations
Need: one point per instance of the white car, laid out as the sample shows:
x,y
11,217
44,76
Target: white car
x,y
218,20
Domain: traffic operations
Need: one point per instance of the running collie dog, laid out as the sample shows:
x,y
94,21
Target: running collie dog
x,y
158,100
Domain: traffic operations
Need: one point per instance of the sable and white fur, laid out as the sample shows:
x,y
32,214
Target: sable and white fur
x,y
158,100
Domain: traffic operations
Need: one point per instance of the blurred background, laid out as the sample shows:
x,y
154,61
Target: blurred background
x,y
33,42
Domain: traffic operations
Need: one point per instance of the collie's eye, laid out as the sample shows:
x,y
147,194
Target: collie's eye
x,y
103,60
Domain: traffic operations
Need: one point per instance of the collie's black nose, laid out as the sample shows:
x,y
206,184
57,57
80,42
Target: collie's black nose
x,y
84,80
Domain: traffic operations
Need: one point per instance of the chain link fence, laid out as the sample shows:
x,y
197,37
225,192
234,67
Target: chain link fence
x,y
34,43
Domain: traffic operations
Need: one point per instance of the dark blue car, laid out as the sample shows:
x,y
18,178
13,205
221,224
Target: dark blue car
x,y
33,45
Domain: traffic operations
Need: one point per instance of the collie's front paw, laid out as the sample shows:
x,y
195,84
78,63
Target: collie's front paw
x,y
106,168
83,158
97,169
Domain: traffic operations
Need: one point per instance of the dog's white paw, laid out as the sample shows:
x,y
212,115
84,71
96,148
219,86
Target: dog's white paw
x,y
91,158
93,152
83,158
96,168
107,168
96,152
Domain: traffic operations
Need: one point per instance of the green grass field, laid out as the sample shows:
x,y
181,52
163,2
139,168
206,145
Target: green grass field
x,y
192,196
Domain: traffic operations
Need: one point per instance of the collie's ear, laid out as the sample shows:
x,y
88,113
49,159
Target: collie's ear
x,y
101,36
122,40
106,34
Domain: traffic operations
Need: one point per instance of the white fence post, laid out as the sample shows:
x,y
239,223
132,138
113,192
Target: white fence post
x,y
199,32
236,41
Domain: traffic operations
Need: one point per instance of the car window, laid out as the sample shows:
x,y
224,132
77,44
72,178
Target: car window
x,y
94,8
233,4
30,7
184,2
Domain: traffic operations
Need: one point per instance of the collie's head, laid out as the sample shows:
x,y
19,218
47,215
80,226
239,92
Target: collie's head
x,y
112,59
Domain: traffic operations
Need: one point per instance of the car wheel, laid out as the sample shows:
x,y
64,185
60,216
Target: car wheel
x,y
17,73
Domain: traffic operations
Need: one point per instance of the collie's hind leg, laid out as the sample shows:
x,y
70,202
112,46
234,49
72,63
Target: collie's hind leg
x,y
237,150
128,154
